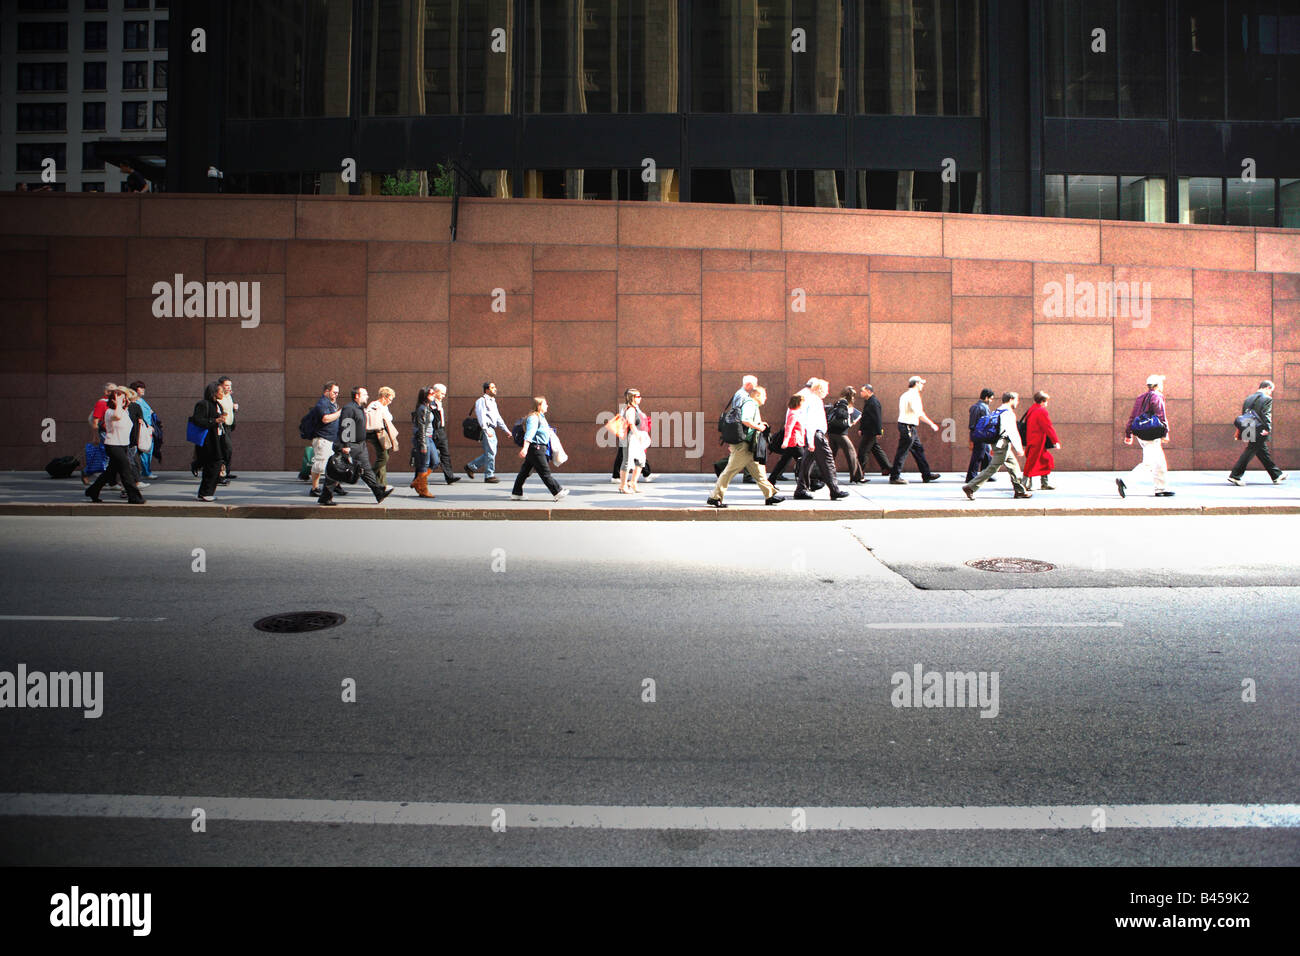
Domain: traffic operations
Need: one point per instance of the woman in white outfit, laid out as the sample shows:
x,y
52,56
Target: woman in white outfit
x,y
634,442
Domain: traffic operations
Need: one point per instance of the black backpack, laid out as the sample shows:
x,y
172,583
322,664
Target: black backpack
x,y
730,425
62,467
837,419
470,427
307,427
518,432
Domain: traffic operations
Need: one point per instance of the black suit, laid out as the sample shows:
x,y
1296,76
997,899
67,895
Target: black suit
x,y
1262,406
352,435
870,426
979,455
440,442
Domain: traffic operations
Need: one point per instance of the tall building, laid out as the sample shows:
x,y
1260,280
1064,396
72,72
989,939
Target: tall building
x,y
1149,110
84,83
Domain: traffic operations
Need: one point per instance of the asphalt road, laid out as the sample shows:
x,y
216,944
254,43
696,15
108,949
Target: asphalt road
x,y
772,647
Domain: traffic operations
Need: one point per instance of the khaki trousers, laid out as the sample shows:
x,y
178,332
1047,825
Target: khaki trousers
x,y
742,459
1001,456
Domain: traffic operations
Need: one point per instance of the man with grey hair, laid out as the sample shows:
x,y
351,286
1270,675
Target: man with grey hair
x,y
1005,449
812,416
440,433
747,385
1259,407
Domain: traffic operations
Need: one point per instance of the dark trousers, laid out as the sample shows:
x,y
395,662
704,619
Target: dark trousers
x,y
788,455
870,448
909,440
821,452
361,456
227,447
535,460
617,471
979,460
119,469
842,445
444,452
211,475
1259,449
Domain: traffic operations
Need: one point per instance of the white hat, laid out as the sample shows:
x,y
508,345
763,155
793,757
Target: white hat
x,y
1155,380
916,380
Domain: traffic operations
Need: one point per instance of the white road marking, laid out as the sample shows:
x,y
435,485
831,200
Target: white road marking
x,y
1080,817
72,617
1043,625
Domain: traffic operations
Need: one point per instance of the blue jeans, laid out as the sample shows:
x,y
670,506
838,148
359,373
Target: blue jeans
x,y
487,461
427,459
146,462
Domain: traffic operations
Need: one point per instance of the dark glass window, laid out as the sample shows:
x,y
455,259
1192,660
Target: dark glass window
x,y
31,155
1142,80
1200,200
466,52
42,36
1251,61
159,114
136,4
94,76
1290,203
768,187
603,56
42,6
90,163
290,59
1054,196
747,58
922,190
42,117
135,35
135,115
1119,72
1288,48
94,35
1142,198
135,75
96,5
93,115
1091,197
920,58
1200,59
625,184
89,187
160,34
42,77
160,74
1251,204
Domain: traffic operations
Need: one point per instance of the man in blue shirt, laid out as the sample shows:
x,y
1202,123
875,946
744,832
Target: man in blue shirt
x,y
979,451
327,414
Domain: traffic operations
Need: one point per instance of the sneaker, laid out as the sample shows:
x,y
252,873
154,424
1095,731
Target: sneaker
x,y
647,477
1235,481
1280,478
315,492
898,481
616,480
142,484
469,471
716,502
970,492
152,477
774,500
563,492
1164,494
929,478
1025,493
515,497
1123,489
206,498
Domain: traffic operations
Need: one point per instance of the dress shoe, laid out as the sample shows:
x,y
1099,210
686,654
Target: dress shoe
x,y
342,492
384,493
469,471
970,492
224,481
929,478
803,496
1123,488
774,500
229,475
515,497
716,502
837,495
1164,494
315,492
331,503
453,479
491,481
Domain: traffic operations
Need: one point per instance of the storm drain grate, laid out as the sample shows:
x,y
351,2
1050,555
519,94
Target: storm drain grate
x,y
1013,565
300,622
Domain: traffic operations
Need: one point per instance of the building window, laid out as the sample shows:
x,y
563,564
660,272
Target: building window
x,y
96,5
135,75
918,190
136,5
280,66
42,77
1142,198
94,76
1290,202
42,6
920,58
1124,198
1120,73
1251,204
135,35
90,162
768,187
92,187
31,155
41,37
135,115
1200,59
160,74
42,117
1200,200
623,184
160,34
94,35
159,114
93,116
744,61
604,56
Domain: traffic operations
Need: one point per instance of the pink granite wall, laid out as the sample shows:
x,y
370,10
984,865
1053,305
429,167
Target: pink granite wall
x,y
678,300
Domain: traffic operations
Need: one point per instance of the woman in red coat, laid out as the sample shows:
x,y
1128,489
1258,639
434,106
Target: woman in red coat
x,y
1039,437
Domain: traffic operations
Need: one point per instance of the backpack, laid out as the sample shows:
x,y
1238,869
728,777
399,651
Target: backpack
x,y
837,419
62,467
1022,426
988,428
307,427
730,425
470,427
517,433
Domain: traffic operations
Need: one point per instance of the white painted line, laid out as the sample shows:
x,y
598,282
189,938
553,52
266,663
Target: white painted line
x,y
1044,625
1153,816
72,617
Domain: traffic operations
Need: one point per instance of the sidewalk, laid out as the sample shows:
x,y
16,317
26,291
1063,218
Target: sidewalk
x,y
669,498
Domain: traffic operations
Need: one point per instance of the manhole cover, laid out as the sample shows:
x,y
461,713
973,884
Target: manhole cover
x,y
1014,565
299,622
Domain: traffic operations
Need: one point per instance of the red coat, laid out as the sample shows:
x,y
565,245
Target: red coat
x,y
1040,434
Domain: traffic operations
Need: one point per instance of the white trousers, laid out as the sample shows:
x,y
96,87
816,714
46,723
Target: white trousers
x,y
1153,460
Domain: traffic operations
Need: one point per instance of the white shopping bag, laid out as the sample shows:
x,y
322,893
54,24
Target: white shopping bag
x,y
558,454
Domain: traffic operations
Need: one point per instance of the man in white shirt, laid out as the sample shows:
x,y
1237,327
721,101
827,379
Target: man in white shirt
x,y
910,415
747,385
228,405
813,418
1005,451
489,419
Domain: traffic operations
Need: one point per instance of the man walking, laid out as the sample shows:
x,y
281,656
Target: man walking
x,y
351,441
1257,434
1006,448
326,418
872,428
812,416
910,415
979,451
742,453
1150,403
489,420
229,406
440,433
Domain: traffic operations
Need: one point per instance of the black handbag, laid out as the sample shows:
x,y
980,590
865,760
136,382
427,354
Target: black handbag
x,y
760,448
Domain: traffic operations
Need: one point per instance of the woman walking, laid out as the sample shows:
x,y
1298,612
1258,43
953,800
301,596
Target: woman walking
x,y
210,418
1039,437
424,453
842,416
381,433
537,438
117,438
634,442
